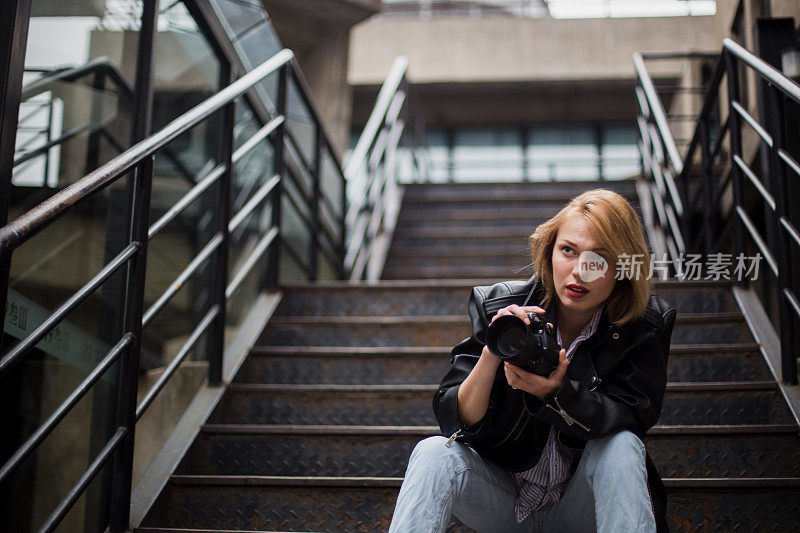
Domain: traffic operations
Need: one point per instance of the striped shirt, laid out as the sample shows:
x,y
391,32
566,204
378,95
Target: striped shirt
x,y
543,484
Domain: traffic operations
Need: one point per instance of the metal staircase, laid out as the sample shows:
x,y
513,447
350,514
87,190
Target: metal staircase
x,y
315,432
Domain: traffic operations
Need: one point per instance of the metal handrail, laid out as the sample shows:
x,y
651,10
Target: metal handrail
x,y
371,174
782,160
140,159
29,224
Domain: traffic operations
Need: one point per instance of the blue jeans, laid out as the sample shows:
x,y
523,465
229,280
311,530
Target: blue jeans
x,y
608,492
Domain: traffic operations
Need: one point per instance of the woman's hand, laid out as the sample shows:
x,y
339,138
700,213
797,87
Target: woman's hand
x,y
535,384
519,311
518,378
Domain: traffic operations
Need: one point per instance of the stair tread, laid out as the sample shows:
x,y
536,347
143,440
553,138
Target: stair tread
x,y
321,429
382,482
334,351
394,319
701,386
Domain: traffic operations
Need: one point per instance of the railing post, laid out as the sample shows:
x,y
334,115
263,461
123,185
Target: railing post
x,y
128,375
315,199
789,345
139,197
279,168
708,187
216,336
13,41
343,274
736,150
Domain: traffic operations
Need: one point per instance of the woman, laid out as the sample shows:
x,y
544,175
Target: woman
x,y
564,452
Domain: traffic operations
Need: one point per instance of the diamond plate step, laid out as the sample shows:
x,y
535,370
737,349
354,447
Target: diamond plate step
x,y
476,231
394,405
366,504
399,365
496,270
290,450
544,189
448,330
510,238
449,297
475,218
431,258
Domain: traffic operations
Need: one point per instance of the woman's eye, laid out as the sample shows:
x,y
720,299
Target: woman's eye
x,y
565,249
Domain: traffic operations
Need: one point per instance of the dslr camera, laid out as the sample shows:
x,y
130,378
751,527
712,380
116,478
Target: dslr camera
x,y
532,347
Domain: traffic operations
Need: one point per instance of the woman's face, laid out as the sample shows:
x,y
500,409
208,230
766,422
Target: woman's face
x,y
582,285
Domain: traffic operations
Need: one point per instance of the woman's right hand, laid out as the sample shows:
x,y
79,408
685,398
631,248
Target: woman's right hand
x,y
519,311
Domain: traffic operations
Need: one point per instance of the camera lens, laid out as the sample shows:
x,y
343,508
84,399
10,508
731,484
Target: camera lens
x,y
511,340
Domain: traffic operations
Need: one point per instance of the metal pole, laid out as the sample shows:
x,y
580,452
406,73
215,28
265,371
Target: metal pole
x,y
777,105
736,149
315,201
708,184
140,190
279,169
14,18
216,337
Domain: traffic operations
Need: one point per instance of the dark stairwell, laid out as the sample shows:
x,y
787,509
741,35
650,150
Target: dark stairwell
x,y
315,432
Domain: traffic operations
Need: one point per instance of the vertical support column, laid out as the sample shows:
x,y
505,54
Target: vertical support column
x,y
279,169
598,141
709,230
524,140
140,191
736,149
96,114
216,337
14,18
315,201
789,346
343,274
450,139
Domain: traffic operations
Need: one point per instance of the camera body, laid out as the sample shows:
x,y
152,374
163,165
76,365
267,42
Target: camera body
x,y
532,347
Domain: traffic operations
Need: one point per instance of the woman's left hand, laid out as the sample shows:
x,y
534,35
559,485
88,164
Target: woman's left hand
x,y
535,384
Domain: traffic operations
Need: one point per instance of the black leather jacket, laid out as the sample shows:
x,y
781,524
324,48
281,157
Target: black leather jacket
x,y
615,381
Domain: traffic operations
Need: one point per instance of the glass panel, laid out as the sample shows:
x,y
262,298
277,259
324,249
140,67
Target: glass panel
x,y
250,174
290,270
301,123
562,153
405,165
252,34
438,155
620,152
93,44
168,254
186,73
325,269
331,182
33,389
487,154
295,230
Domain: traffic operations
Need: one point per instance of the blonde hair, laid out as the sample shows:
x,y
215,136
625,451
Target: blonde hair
x,y
616,227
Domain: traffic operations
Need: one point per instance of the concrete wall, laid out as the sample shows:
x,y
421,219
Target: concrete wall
x,y
518,50
318,31
505,71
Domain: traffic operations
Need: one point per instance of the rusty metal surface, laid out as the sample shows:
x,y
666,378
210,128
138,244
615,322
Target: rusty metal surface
x,y
369,509
344,369
386,299
243,450
414,407
394,365
371,302
433,331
